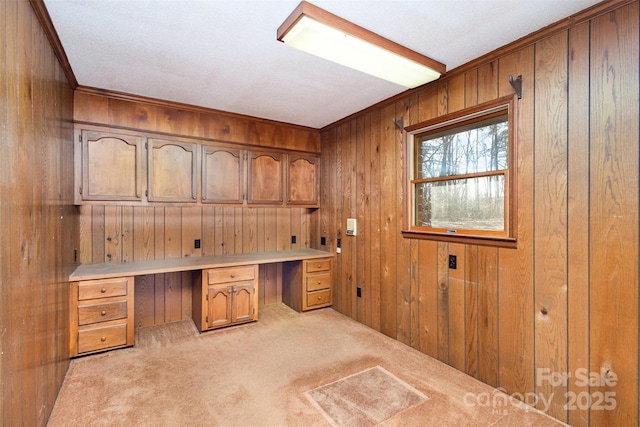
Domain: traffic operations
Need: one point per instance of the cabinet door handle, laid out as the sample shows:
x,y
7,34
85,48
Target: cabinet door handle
x,y
103,290
104,312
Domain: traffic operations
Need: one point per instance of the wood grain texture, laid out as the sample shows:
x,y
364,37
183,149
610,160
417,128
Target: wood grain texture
x,y
613,217
93,106
39,227
577,163
147,233
550,253
516,267
578,217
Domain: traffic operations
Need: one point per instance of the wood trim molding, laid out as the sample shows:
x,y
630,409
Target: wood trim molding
x,y
187,107
44,18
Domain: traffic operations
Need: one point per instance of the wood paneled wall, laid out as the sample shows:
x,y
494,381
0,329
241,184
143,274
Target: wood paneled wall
x,y
565,302
38,222
131,112
128,233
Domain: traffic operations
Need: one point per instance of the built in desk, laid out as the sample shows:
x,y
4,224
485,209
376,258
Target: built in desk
x,y
225,292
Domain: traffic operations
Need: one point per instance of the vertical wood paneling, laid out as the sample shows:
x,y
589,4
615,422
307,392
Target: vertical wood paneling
x,y
428,279
550,253
471,310
388,223
363,157
515,269
488,315
404,300
39,226
375,229
578,217
457,321
614,211
443,301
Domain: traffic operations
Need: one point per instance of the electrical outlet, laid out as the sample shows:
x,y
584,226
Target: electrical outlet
x,y
359,292
293,240
196,244
453,262
323,241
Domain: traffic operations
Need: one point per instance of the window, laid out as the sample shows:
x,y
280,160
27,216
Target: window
x,y
462,175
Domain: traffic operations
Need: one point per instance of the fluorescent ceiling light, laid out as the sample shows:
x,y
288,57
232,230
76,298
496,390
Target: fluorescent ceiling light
x,y
328,36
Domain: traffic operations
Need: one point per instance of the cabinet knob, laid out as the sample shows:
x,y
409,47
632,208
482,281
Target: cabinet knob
x,y
104,312
319,298
319,265
103,339
233,276
103,290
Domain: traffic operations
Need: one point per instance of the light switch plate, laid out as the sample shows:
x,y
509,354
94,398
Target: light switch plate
x,y
352,227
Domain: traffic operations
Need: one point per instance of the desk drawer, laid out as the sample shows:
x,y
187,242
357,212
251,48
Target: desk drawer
x,y
95,313
102,288
323,264
319,298
102,338
316,282
230,274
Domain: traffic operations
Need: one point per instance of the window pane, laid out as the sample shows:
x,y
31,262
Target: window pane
x,y
471,204
477,147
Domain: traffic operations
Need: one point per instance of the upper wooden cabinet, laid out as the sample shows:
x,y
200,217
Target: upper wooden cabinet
x,y
173,171
222,175
303,180
111,166
264,185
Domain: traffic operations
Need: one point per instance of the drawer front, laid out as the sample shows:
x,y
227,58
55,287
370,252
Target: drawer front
x,y
95,313
318,298
323,264
231,274
101,338
316,282
102,289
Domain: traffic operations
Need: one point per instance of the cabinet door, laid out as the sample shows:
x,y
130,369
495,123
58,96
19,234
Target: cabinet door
x,y
219,313
111,166
242,308
303,174
265,178
222,175
172,171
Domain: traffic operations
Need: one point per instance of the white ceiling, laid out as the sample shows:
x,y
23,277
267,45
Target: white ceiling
x,y
223,54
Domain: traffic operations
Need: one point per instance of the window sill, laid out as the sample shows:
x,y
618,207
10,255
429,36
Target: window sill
x,y
500,242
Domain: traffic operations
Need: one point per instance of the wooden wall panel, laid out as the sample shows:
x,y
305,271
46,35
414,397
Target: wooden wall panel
x,y
144,114
550,224
613,212
578,214
564,302
169,232
39,226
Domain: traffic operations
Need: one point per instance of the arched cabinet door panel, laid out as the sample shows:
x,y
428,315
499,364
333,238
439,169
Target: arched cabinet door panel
x,y
265,178
303,183
222,175
111,166
172,171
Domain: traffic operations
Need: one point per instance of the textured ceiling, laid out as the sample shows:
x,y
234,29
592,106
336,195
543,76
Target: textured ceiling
x,y
223,54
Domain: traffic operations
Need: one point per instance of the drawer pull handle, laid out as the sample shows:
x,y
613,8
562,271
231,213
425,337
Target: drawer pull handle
x,y
103,339
233,276
319,298
319,265
104,312
319,282
103,290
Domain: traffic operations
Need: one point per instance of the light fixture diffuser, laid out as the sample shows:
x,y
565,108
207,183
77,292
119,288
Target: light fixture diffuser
x,y
328,36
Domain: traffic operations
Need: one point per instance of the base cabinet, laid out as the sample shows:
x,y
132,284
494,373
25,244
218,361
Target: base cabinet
x,y
101,315
306,284
226,296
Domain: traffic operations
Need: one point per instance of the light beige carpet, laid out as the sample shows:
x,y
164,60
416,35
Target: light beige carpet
x,y
260,374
